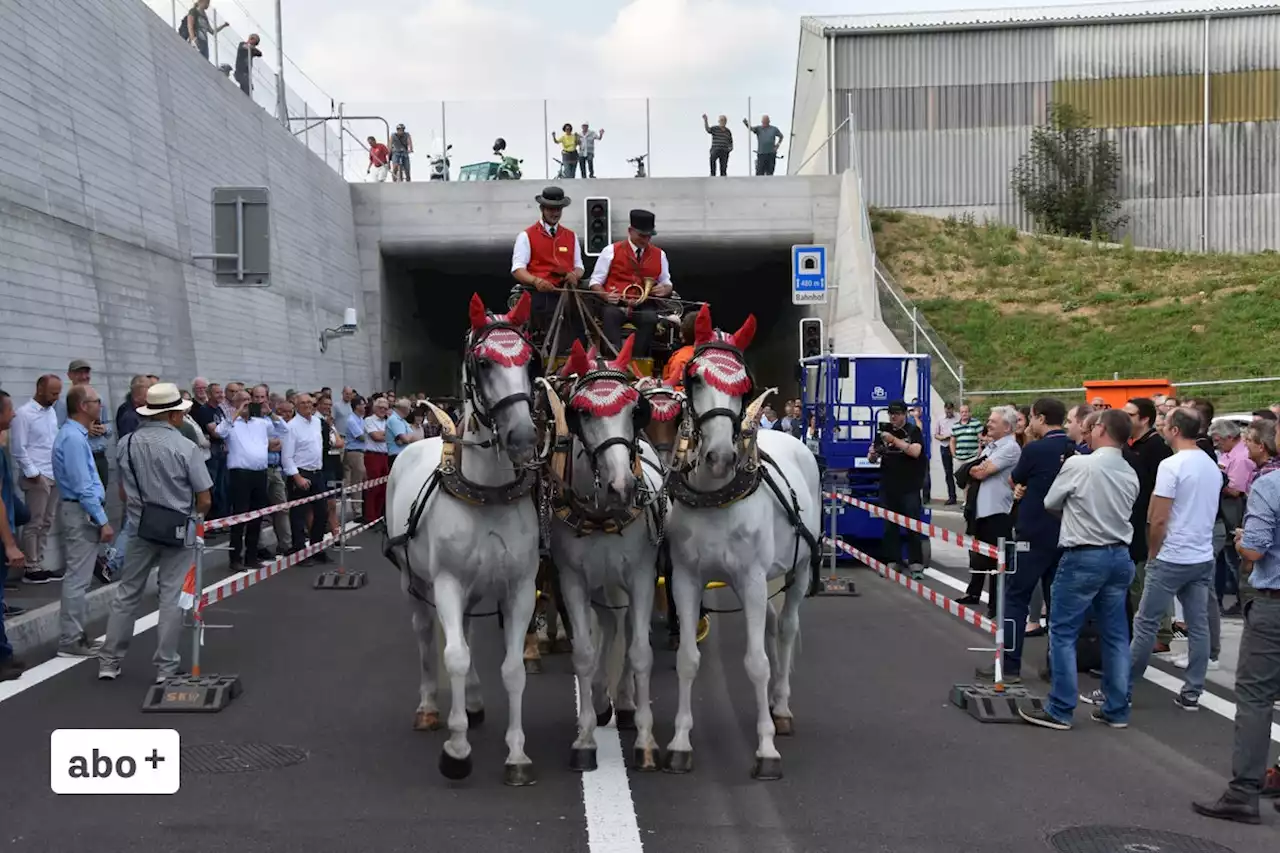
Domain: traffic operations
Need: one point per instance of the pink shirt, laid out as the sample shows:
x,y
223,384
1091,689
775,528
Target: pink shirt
x,y
1239,467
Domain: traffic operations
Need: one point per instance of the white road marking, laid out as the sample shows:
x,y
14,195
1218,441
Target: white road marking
x,y
606,794
1216,704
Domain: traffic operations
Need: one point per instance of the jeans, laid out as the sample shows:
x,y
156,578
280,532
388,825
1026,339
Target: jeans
x,y
221,491
1096,578
908,504
1032,568
1257,687
6,649
120,543
585,161
1189,583
1164,634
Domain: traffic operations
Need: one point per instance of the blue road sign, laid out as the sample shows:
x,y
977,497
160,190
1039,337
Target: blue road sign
x,y
808,275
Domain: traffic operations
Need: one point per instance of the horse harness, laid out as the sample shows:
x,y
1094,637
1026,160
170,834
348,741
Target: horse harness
x,y
750,473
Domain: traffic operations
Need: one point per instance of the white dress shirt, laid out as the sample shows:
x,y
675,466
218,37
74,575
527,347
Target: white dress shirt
x,y
246,442
31,436
605,260
306,450
523,251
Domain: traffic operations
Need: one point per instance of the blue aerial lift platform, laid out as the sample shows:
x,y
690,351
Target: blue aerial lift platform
x,y
844,397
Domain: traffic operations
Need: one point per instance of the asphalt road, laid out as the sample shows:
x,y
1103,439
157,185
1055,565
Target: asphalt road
x,y
880,760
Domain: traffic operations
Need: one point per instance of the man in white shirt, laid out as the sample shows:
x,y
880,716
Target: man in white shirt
x,y
31,437
303,462
247,435
1184,508
619,276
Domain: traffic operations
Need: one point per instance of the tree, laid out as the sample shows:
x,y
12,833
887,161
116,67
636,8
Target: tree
x,y
1068,179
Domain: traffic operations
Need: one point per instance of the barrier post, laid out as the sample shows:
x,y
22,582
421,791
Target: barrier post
x,y
998,670
196,692
340,578
834,584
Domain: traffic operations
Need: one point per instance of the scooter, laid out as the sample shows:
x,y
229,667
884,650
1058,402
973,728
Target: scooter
x,y
508,166
639,161
440,165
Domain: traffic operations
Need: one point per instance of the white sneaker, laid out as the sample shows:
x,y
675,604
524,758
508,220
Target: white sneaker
x,y
1181,662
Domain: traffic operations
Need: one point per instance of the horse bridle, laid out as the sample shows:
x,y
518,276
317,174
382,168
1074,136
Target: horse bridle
x,y
632,444
696,419
663,446
485,412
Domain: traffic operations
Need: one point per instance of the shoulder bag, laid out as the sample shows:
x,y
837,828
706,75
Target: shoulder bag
x,y
158,525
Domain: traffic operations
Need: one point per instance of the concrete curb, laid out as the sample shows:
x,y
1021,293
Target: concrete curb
x,y
41,627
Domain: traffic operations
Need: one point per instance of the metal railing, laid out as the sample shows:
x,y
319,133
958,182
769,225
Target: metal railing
x,y
1228,395
914,333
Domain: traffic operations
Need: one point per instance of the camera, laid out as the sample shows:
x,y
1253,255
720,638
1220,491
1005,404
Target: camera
x,y
255,410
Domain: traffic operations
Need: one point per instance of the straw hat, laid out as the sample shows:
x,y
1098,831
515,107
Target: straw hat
x,y
162,398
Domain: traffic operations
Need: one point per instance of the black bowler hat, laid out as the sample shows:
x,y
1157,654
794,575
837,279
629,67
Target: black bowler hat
x,y
552,197
642,221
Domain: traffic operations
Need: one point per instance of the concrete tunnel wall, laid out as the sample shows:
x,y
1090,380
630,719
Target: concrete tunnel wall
x,y
109,155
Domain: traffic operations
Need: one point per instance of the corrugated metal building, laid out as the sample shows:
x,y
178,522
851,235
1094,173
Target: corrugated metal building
x,y
943,105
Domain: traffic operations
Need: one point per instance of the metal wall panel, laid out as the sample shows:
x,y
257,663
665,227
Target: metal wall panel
x,y
944,59
1156,49
941,169
1244,44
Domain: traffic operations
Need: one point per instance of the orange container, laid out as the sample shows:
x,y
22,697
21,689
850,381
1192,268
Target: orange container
x,y
1114,393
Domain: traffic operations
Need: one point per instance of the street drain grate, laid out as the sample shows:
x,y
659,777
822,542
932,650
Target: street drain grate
x,y
1129,839
239,757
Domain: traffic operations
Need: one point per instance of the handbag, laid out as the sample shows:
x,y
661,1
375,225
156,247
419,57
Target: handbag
x,y
158,525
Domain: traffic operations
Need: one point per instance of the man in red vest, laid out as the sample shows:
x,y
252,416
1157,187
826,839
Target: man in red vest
x,y
548,257
625,263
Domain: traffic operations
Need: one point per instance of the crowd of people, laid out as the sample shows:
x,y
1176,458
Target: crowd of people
x,y
228,448
1139,520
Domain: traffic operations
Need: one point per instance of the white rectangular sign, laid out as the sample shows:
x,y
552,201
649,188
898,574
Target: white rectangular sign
x,y
808,275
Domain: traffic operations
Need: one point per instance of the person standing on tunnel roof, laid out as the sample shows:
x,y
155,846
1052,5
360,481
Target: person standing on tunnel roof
x,y
626,265
548,257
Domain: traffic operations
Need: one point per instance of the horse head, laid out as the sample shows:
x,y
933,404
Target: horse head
x,y
716,382
666,406
498,374
606,413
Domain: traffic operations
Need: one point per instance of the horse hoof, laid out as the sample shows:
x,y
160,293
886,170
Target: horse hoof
x,y
518,775
626,720
783,726
475,718
582,760
426,721
562,646
532,666
678,761
767,769
645,760
454,769
603,717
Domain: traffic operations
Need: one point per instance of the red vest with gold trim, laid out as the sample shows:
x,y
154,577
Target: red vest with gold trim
x,y
550,257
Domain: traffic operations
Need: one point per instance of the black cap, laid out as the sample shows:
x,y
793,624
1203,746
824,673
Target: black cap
x,y
643,221
897,407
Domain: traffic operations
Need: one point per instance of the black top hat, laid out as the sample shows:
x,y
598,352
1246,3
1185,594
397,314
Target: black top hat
x,y
552,197
642,221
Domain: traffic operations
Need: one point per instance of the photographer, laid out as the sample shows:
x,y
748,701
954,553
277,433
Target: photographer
x,y
247,435
899,448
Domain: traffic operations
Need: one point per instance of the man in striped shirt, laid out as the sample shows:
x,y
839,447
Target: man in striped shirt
x,y
964,437
721,143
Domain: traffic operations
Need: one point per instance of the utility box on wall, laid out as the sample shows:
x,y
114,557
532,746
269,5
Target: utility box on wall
x,y
241,229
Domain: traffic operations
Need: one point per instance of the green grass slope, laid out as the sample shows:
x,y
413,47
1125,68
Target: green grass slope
x,y
1043,312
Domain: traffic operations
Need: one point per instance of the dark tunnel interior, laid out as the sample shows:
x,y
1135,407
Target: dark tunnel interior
x,y
428,293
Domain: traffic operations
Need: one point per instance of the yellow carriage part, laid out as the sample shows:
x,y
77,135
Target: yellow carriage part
x,y
712,585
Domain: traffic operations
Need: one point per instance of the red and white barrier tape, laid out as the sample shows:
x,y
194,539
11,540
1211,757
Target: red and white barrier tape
x,y
241,518
933,531
231,586
960,611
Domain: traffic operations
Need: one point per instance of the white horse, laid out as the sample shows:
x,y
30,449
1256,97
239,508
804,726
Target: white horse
x,y
745,510
462,526
609,510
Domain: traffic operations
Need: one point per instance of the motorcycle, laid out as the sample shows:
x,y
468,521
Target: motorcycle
x,y
440,165
508,166
639,161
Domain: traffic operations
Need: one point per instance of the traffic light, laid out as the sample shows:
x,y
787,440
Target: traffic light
x,y
598,232
810,337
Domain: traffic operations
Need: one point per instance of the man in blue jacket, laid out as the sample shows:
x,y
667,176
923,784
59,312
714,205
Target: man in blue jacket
x,y
1035,472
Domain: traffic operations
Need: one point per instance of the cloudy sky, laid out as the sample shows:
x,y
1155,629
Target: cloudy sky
x,y
493,62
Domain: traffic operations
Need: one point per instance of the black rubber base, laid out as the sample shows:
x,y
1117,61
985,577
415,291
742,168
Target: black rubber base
x,y
677,761
767,769
582,760
454,769
638,760
518,775
603,717
475,718
626,720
